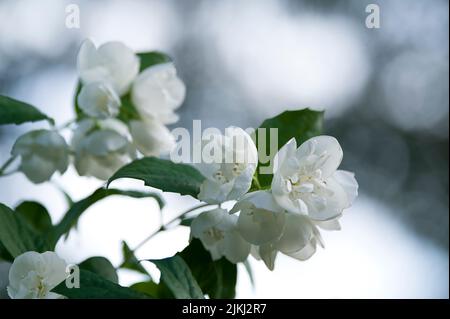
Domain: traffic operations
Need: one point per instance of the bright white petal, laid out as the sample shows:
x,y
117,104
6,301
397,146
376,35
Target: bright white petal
x,y
99,100
22,265
296,235
306,252
157,92
285,152
259,226
348,181
326,151
327,203
332,224
151,138
122,63
55,269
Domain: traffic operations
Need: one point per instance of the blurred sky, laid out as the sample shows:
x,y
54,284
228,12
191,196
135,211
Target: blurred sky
x,y
385,92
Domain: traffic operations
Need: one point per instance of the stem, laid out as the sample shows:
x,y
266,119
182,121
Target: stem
x,y
164,226
256,180
5,166
65,125
9,173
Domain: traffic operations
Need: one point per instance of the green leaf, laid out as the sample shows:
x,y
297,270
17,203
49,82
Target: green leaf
x,y
78,112
218,278
301,124
4,254
73,214
17,236
17,112
153,289
163,174
130,260
187,221
36,215
127,111
93,286
149,59
100,266
176,275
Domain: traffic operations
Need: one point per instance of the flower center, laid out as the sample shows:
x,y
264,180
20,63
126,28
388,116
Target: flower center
x,y
214,233
228,172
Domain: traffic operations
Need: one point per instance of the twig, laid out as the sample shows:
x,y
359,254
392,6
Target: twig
x,y
164,226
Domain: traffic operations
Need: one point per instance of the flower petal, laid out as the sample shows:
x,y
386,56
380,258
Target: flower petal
x,y
326,151
151,138
296,235
99,100
306,252
268,255
259,226
348,181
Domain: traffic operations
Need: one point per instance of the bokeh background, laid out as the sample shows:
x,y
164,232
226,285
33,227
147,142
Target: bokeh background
x,y
385,92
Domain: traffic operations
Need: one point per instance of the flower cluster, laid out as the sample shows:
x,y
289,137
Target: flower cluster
x,y
123,108
308,192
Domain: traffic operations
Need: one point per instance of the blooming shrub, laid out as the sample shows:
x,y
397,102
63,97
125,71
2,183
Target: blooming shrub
x,y
124,102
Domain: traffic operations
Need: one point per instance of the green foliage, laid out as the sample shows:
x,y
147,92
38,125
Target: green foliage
x,y
79,113
96,287
36,215
175,274
149,59
301,124
73,214
160,291
100,266
4,254
217,278
130,260
163,174
17,112
17,236
127,111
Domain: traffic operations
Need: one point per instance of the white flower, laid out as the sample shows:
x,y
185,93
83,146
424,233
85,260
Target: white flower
x,y
298,240
306,180
42,153
157,92
151,138
261,220
101,148
217,231
271,229
112,63
229,171
33,276
98,99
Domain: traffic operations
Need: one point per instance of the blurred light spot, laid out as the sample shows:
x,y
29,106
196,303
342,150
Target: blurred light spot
x,y
415,86
32,26
303,60
142,25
